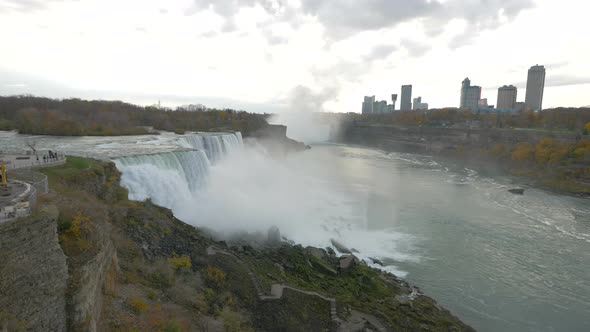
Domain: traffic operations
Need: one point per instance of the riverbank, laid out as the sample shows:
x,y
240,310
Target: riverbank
x,y
132,265
558,162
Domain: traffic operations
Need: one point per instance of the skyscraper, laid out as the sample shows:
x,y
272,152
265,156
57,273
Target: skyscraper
x,y
470,95
419,105
535,85
368,105
406,103
417,101
393,100
507,98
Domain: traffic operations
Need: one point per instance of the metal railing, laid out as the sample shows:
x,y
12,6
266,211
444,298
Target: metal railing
x,y
36,179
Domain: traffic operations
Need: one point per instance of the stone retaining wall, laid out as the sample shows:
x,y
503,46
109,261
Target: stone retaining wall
x,y
33,273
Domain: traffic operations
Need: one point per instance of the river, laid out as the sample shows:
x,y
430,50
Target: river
x,y
499,261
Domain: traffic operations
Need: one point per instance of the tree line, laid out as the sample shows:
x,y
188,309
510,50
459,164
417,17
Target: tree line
x,y
565,119
77,117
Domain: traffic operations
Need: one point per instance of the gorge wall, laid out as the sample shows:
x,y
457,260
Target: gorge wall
x,y
33,274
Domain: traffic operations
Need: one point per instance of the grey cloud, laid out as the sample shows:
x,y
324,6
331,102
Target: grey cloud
x,y
481,15
560,80
416,49
380,51
343,19
564,80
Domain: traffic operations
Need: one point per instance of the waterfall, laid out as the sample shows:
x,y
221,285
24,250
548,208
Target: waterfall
x,y
171,178
166,178
216,146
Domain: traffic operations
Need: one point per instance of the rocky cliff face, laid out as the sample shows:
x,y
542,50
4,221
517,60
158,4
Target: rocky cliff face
x,y
33,274
89,284
435,140
274,139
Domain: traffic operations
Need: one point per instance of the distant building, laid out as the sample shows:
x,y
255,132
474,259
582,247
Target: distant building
x,y
507,97
406,103
519,106
535,86
417,101
380,107
368,105
470,95
393,101
483,103
419,105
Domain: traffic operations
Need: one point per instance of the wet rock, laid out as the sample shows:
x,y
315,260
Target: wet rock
x,y
340,247
376,261
347,262
330,251
273,236
354,250
316,252
516,191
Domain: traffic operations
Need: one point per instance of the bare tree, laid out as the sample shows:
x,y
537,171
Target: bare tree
x,y
31,144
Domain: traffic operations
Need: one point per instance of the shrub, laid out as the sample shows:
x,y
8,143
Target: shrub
x,y
172,326
180,262
215,276
73,232
523,152
151,294
137,305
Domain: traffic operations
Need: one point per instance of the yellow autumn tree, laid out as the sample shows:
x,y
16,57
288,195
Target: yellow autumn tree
x,y
523,152
549,151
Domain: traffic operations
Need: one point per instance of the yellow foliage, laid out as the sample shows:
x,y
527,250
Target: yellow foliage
x,y
499,151
72,237
137,305
231,320
549,151
522,152
180,262
215,276
582,149
587,126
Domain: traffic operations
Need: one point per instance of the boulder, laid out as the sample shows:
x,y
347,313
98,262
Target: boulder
x,y
516,191
316,252
330,251
340,247
347,262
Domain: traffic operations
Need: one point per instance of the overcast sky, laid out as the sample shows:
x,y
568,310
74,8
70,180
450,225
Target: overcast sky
x,y
275,55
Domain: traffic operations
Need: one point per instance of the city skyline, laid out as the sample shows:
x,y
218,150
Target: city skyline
x,y
293,55
471,96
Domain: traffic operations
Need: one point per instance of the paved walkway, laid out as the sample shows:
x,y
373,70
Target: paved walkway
x,y
42,159
277,290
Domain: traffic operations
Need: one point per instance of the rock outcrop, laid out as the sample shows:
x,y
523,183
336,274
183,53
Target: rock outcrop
x,y
33,274
274,139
